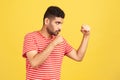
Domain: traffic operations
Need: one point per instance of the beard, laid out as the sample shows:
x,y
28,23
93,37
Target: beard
x,y
55,33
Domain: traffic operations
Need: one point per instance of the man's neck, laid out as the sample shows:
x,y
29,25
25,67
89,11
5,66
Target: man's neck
x,y
44,32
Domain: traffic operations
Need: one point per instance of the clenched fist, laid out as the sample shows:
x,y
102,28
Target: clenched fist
x,y
57,40
85,29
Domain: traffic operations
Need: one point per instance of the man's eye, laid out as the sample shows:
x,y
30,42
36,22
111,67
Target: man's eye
x,y
57,22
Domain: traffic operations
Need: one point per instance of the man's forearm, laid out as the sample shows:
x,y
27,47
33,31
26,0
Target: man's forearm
x,y
39,58
83,46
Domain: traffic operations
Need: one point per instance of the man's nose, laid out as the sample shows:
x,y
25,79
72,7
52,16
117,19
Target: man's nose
x,y
60,27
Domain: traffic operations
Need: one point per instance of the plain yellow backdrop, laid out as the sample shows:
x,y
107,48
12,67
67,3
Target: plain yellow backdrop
x,y
102,59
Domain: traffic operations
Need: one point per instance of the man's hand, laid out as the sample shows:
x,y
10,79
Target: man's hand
x,y
57,40
85,29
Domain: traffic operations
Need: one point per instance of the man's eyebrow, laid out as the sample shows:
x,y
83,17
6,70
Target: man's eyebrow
x,y
59,22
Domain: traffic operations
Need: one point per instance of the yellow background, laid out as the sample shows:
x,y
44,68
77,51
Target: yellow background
x,y
102,59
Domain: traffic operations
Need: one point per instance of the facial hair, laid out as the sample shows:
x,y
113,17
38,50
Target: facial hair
x,y
53,33
56,32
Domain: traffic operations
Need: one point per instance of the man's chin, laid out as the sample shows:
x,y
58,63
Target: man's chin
x,y
55,34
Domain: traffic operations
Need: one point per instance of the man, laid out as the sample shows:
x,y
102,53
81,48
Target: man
x,y
45,49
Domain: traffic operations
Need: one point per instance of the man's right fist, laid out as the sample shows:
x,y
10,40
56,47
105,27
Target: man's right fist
x,y
58,39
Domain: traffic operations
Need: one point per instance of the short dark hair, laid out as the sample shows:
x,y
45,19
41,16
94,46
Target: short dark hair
x,y
54,11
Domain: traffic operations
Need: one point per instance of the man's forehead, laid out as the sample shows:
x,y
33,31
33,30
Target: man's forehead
x,y
58,19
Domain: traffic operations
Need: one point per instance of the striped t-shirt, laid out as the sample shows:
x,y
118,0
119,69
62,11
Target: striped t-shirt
x,y
51,67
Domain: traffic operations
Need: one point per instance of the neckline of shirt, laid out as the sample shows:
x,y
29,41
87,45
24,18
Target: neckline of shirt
x,y
44,36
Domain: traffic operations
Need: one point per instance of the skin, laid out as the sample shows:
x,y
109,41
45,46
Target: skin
x,y
52,26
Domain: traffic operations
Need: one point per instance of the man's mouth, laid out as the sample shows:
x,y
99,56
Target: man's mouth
x,y
57,32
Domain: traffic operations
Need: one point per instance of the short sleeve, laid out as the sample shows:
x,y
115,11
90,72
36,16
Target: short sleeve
x,y
29,44
68,48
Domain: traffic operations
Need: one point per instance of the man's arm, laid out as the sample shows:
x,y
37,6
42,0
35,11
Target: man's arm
x,y
79,54
37,59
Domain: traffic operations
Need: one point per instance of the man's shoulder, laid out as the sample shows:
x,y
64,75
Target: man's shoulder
x,y
33,33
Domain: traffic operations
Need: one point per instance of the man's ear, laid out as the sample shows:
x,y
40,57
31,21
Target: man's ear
x,y
47,21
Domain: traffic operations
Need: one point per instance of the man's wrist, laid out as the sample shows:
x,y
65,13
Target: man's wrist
x,y
86,36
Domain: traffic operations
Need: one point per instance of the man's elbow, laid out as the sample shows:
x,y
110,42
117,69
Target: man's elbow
x,y
79,59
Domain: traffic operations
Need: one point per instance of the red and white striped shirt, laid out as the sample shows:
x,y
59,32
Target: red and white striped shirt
x,y
51,67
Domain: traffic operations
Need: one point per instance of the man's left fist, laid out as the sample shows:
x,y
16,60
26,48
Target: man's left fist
x,y
85,29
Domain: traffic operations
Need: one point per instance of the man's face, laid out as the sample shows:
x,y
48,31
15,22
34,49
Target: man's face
x,y
54,26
